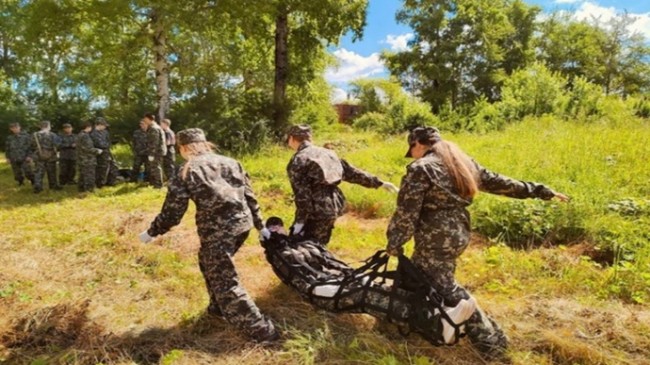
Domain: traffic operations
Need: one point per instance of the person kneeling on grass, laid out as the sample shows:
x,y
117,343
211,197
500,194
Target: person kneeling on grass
x,y
226,210
431,207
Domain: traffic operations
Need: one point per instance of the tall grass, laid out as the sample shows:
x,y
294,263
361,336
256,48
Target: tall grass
x,y
533,265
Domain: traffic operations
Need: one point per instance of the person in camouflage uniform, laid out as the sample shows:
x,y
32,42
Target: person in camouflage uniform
x,y
226,210
139,147
68,155
315,173
86,158
169,161
432,208
156,150
105,171
44,146
18,154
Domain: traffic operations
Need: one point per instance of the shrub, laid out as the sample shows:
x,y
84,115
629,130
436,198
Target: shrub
x,y
584,100
532,91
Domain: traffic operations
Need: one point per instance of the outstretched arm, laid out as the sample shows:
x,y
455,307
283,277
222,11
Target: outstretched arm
x,y
357,176
494,183
251,201
173,209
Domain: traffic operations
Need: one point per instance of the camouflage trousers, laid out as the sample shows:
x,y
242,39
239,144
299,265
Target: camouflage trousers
x,y
138,162
155,172
87,173
226,293
106,170
67,170
439,265
42,168
169,163
22,169
319,230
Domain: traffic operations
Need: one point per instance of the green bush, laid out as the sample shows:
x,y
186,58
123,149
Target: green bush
x,y
641,107
532,91
388,108
584,100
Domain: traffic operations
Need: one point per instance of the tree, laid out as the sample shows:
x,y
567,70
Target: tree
x,y
462,48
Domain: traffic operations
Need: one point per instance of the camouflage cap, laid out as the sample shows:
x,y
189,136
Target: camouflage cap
x,y
299,130
101,121
66,125
191,135
14,125
423,135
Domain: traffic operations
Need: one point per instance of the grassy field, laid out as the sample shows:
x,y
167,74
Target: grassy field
x,y
568,282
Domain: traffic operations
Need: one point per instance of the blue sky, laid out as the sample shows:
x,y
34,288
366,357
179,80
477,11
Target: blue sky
x,y
361,58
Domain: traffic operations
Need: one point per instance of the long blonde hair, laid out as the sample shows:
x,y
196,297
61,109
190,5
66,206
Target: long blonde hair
x,y
461,168
191,150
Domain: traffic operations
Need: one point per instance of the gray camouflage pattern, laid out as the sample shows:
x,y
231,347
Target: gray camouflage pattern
x,y
104,171
169,161
157,149
315,173
67,158
139,147
44,154
17,149
86,162
226,210
430,210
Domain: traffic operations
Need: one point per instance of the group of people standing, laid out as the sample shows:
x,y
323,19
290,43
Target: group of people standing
x,y
431,208
153,146
37,155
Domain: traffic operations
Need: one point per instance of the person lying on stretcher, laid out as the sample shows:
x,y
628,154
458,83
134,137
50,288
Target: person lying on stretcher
x,y
399,296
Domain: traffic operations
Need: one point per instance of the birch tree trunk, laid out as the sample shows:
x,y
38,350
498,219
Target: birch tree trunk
x,y
160,63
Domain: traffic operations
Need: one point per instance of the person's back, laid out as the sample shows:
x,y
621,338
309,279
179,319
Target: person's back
x,y
217,185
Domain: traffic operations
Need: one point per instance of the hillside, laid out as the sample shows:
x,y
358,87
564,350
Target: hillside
x,y
570,284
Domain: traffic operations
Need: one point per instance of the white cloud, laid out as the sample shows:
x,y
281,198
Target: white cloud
x,y
567,1
338,95
398,43
353,66
590,11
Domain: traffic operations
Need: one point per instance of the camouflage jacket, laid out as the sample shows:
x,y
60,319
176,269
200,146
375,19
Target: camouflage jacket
x,y
221,191
315,173
430,209
170,138
85,149
18,146
139,142
44,145
156,141
68,146
101,139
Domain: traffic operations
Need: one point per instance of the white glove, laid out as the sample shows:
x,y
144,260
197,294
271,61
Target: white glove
x,y
265,234
150,158
144,237
297,228
390,187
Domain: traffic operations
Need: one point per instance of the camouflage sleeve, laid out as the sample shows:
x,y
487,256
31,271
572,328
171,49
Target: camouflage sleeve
x,y
354,175
7,147
173,209
409,204
251,201
299,178
494,183
151,143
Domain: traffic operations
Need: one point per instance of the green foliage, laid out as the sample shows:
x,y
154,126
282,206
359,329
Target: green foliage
x,y
584,100
532,91
641,107
462,49
387,108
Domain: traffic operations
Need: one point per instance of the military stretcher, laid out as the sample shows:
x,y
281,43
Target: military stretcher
x,y
401,296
